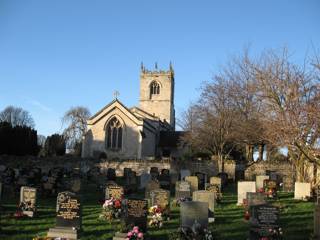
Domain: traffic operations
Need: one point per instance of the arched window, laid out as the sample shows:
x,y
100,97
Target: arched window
x,y
114,134
154,88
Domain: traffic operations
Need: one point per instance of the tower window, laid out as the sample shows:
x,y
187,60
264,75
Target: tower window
x,y
114,134
154,88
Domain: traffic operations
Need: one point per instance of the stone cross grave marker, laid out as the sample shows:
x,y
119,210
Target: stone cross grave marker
x,y
302,190
28,200
136,212
68,217
207,197
243,188
192,213
114,191
259,181
183,189
193,180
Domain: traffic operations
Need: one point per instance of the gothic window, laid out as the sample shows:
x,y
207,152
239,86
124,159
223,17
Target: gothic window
x,y
154,88
114,134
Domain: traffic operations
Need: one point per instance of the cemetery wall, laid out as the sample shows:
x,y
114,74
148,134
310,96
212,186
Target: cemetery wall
x,y
285,169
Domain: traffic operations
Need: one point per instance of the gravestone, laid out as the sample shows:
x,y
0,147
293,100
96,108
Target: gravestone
x,y
28,200
224,178
151,185
113,191
288,183
259,181
136,212
183,190
68,218
302,190
111,174
192,213
154,172
243,188
76,185
207,197
193,180
255,198
215,188
216,181
144,179
126,172
184,173
164,179
161,198
202,180
264,220
174,177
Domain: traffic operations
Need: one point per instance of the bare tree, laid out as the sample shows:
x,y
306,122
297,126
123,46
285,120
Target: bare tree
x,y
75,119
16,116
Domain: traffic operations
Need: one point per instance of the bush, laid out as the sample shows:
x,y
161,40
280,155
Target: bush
x,y
55,145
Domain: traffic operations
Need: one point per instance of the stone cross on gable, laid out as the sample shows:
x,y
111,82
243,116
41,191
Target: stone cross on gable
x,y
116,94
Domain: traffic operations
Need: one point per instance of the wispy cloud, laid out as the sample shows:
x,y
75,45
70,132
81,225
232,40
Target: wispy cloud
x,y
41,106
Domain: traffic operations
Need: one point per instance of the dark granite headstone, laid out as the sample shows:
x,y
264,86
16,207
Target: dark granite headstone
x,y
154,172
193,212
126,172
136,212
202,179
183,189
263,218
165,179
68,210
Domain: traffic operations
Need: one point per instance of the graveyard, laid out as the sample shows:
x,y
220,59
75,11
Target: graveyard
x,y
223,213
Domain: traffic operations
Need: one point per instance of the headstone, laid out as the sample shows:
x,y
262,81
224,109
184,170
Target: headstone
x,y
216,181
302,190
161,198
151,185
154,172
215,188
184,173
259,181
126,172
183,190
255,198
144,179
111,174
264,221
136,212
243,188
207,197
224,178
28,200
192,213
288,184
202,180
76,185
115,192
174,177
164,179
193,180
68,218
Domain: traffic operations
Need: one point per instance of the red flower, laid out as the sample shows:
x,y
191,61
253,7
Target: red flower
x,y
117,204
246,215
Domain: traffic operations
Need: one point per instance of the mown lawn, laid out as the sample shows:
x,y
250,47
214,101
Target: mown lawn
x,y
296,219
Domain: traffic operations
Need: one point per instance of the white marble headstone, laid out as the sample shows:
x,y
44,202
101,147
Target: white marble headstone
x,y
243,188
302,190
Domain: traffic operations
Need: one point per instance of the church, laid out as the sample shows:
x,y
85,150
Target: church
x,y
146,131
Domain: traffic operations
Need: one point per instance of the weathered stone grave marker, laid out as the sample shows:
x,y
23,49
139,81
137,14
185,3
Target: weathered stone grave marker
x,y
114,191
28,200
259,181
207,197
192,213
193,180
144,179
151,185
243,188
302,190
183,190
184,173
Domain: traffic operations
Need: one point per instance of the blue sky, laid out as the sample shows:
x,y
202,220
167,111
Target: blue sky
x,y
58,54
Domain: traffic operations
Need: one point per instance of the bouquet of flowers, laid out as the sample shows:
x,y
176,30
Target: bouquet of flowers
x,y
134,234
196,232
273,234
111,209
156,216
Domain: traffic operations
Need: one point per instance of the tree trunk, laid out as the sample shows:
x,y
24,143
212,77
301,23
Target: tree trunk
x,y
260,150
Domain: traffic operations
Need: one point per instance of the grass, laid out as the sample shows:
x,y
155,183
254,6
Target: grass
x,y
296,219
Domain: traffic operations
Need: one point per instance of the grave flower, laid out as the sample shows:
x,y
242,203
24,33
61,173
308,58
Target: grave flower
x,y
134,234
155,213
111,209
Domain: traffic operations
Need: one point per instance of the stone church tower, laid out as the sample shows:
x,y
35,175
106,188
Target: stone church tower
x,y
157,93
